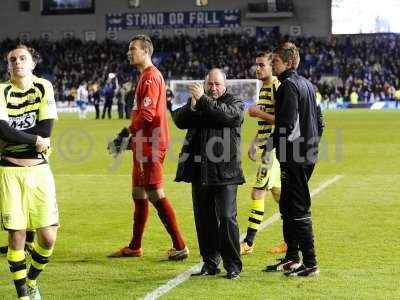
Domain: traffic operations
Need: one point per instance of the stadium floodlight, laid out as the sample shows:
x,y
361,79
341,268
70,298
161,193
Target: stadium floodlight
x,y
133,3
201,2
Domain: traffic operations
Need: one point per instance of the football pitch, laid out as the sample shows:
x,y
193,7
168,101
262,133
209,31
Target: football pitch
x,y
356,206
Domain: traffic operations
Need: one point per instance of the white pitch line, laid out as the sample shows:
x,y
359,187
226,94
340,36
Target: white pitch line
x,y
165,288
276,216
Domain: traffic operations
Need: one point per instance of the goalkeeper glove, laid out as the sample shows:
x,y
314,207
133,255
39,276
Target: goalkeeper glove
x,y
120,143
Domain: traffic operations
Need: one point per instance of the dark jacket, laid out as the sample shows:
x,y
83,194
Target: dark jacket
x,y
211,151
298,120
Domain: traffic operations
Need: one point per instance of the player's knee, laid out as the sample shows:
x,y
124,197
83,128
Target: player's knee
x,y
257,194
155,193
48,242
138,193
47,237
17,239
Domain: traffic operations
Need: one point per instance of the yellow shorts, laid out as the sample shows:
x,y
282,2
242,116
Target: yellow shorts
x,y
268,175
27,197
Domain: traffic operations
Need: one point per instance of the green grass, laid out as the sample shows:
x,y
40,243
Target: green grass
x,y
356,219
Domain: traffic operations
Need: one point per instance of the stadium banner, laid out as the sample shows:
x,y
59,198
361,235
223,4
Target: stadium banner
x,y
174,19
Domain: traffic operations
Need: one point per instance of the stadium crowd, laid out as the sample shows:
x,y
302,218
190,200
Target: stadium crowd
x,y
343,68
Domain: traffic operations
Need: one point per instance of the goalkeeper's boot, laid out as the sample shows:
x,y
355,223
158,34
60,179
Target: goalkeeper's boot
x,y
303,271
127,252
33,292
282,248
245,248
174,254
284,264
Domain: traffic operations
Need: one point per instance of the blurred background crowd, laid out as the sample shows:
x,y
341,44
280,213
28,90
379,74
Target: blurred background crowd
x,y
343,69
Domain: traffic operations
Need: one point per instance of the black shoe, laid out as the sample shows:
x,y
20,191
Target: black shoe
x,y
206,272
303,271
232,275
284,264
4,249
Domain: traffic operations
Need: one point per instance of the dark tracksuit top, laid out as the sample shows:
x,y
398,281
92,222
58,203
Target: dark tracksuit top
x,y
210,160
298,127
298,120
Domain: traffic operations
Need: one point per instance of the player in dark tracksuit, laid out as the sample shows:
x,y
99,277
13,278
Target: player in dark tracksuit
x,y
298,128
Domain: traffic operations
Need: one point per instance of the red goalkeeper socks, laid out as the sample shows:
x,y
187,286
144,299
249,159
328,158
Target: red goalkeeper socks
x,y
168,218
139,222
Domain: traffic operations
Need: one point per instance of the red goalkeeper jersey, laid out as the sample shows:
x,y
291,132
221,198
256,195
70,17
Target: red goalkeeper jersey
x,y
149,125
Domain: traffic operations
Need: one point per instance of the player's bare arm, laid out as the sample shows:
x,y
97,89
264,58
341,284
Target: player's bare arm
x,y
256,112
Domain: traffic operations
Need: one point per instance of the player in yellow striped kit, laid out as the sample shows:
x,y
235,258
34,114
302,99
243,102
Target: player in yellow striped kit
x,y
268,173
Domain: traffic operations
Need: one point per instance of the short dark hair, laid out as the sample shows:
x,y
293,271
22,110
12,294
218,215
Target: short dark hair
x,y
265,54
288,52
35,55
145,42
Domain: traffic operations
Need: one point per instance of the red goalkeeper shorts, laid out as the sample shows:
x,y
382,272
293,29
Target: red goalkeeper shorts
x,y
148,170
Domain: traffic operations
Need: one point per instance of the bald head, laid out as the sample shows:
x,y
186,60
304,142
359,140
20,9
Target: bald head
x,y
215,83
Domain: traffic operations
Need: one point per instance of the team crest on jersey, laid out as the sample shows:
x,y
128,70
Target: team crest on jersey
x,y
30,99
148,82
147,101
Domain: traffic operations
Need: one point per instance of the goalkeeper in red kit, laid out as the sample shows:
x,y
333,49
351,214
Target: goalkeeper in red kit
x,y
148,140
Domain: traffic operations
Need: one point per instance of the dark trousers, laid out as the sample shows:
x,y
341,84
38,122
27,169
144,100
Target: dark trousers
x,y
107,108
120,108
97,109
294,206
215,213
128,111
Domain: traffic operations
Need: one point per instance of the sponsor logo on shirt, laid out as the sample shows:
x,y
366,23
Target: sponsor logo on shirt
x,y
27,120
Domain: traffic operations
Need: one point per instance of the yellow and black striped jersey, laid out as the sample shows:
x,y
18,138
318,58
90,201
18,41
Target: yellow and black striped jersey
x,y
266,103
22,109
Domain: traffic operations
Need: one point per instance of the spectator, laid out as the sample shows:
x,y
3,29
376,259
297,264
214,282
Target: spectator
x,y
82,98
108,93
94,97
357,61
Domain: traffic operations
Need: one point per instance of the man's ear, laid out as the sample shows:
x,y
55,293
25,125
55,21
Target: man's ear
x,y
290,64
